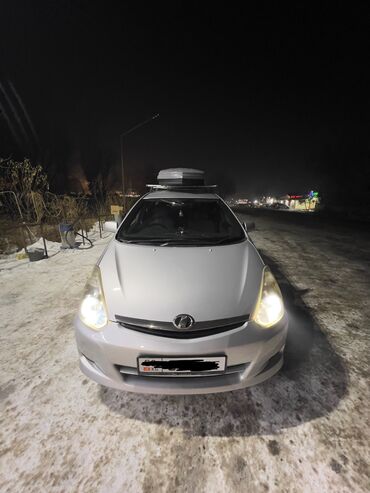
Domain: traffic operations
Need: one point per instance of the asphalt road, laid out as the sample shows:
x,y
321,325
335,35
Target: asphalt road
x,y
306,429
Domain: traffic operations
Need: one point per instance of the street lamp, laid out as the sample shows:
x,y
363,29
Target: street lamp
x,y
121,145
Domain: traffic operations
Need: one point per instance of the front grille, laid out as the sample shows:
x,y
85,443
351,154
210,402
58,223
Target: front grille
x,y
167,329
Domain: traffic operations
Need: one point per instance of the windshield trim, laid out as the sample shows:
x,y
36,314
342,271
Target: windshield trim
x,y
185,244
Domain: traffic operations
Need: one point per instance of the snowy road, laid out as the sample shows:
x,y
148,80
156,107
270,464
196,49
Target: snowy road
x,y
307,429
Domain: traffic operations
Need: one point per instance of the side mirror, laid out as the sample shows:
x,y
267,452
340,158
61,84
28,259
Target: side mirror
x,y
110,227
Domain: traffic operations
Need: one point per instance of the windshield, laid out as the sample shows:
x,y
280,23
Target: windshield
x,y
175,221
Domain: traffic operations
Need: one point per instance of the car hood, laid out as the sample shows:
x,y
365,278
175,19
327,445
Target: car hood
x,y
158,283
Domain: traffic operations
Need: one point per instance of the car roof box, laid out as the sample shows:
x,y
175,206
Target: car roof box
x,y
181,176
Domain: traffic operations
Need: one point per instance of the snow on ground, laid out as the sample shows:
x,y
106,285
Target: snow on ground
x,y
307,429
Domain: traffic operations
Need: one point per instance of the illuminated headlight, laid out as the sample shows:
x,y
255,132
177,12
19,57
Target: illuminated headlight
x,y
92,310
270,307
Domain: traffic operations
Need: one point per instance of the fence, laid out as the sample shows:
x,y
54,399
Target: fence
x,y
22,222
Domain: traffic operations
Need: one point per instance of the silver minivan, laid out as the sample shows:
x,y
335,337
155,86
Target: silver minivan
x,y
180,302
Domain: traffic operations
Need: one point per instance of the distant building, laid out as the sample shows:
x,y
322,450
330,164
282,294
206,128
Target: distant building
x,y
308,202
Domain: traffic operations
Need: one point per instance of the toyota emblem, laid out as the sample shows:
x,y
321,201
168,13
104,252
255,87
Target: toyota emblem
x,y
183,321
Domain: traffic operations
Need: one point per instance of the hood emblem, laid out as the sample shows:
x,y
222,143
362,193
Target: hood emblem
x,y
183,321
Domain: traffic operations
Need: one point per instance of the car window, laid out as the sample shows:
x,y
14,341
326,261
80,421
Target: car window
x,y
185,221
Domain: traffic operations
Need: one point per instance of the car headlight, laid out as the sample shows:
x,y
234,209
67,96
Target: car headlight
x,y
270,307
92,310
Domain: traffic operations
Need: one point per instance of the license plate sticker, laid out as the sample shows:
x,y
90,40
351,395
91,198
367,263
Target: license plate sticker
x,y
181,366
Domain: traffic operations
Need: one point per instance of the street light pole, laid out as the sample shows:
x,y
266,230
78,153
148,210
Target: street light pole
x,y
132,129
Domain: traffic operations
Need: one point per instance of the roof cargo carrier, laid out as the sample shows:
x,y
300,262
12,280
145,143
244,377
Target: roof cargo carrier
x,y
181,176
182,179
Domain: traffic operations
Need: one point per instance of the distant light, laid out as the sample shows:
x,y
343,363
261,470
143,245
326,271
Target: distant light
x,y
313,195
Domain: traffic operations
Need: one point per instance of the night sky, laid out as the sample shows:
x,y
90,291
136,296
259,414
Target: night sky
x,y
265,98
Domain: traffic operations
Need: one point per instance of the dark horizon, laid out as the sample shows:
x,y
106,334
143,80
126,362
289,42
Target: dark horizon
x,y
266,100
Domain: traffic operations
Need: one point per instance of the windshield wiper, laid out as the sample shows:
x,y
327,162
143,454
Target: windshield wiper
x,y
228,239
145,241
203,241
180,241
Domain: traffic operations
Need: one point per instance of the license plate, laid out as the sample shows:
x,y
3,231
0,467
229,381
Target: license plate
x,y
181,366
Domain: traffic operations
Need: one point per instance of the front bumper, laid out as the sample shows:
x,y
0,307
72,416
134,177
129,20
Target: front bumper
x,y
109,357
